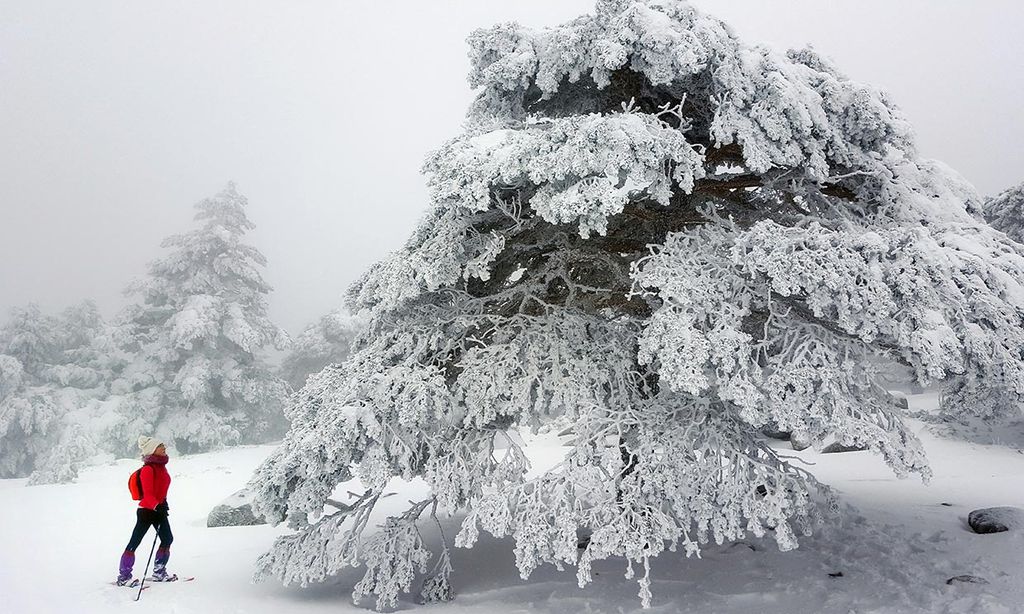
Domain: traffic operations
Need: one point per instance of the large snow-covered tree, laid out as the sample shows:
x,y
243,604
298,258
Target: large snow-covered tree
x,y
670,238
325,342
198,334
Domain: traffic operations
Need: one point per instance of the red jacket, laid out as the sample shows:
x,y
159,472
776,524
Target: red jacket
x,y
155,482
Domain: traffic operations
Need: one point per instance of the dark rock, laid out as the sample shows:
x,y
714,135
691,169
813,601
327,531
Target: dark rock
x,y
235,511
996,519
742,544
836,447
967,579
901,402
799,440
836,574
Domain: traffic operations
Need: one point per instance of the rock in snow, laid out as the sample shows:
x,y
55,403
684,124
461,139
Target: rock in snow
x,y
996,519
799,440
235,511
968,579
836,447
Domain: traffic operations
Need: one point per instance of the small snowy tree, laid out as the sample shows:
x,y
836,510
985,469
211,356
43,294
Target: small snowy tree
x,y
671,238
325,342
30,336
80,360
1006,212
198,334
29,418
16,454
48,376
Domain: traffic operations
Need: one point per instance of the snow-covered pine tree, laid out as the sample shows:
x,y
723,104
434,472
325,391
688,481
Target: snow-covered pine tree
x,y
18,421
996,405
28,419
671,238
1006,212
74,384
80,359
199,331
47,378
325,342
30,336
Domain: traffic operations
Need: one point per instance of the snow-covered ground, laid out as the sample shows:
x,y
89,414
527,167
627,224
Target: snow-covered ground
x,y
59,547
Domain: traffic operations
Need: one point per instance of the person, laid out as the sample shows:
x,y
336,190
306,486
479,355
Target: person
x,y
152,512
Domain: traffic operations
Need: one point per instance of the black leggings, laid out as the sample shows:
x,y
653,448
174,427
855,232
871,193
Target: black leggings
x,y
144,520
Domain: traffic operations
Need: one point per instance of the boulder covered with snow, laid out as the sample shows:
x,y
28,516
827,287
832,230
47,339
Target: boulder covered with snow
x,y
996,519
800,440
837,447
235,511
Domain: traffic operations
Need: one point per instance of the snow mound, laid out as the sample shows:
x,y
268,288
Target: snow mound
x,y
996,519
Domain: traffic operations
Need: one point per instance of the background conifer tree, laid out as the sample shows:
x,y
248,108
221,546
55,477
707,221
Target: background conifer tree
x,y
325,342
48,375
198,333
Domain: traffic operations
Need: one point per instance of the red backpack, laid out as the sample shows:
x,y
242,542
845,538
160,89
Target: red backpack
x,y
135,484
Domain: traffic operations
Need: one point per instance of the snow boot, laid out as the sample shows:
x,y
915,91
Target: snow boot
x,y
124,571
160,566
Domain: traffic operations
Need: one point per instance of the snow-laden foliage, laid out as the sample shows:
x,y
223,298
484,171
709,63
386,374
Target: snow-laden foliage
x,y
30,337
1006,212
197,333
325,342
48,375
185,361
670,239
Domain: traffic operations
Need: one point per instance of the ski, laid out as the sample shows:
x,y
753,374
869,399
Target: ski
x,y
133,584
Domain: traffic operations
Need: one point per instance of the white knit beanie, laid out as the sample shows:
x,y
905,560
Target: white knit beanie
x,y
148,445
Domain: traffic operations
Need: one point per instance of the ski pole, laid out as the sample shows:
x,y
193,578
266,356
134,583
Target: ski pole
x,y
145,573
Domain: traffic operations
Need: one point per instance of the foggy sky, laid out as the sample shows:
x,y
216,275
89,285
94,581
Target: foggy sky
x,y
116,117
